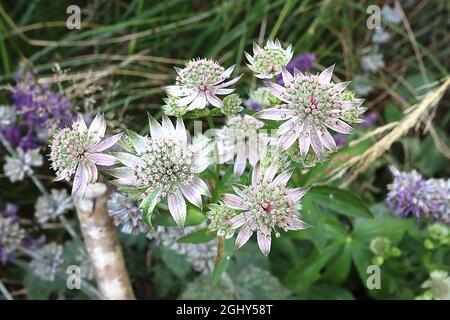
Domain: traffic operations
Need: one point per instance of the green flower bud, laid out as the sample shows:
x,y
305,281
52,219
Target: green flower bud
x,y
380,246
438,231
395,252
231,105
377,260
172,109
428,244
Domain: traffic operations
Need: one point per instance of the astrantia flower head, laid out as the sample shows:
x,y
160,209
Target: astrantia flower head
x,y
199,83
126,213
77,151
310,104
267,62
171,108
372,62
438,285
18,166
240,140
380,246
165,165
308,160
47,262
231,105
49,208
267,204
11,237
219,215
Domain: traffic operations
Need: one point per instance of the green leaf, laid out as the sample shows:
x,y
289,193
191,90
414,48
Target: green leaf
x,y
339,267
199,236
308,271
175,262
341,201
312,214
193,218
392,228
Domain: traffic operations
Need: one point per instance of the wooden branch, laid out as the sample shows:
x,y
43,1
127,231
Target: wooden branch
x,y
102,244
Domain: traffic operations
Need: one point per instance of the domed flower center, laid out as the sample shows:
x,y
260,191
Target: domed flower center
x,y
268,206
200,74
167,164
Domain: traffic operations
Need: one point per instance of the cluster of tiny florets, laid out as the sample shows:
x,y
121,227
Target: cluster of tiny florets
x,y
50,207
232,104
126,214
11,237
167,164
219,216
200,73
267,62
47,262
411,195
68,149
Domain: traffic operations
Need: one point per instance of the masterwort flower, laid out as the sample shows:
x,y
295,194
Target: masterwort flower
x,y
267,62
77,150
438,285
126,214
232,104
16,167
219,215
165,165
11,237
267,205
49,208
199,83
171,108
47,262
310,103
240,140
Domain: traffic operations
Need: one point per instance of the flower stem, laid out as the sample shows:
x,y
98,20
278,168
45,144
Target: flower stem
x,y
5,291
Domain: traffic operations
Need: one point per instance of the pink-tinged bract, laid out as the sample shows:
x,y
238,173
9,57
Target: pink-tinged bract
x,y
76,151
267,205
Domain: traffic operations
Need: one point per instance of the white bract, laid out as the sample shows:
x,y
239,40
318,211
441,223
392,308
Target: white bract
x,y
267,205
269,61
76,151
310,104
165,165
199,83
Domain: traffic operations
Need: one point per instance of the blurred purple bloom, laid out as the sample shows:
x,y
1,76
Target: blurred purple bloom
x,y
340,139
10,211
369,120
33,244
13,134
411,195
40,107
303,62
252,105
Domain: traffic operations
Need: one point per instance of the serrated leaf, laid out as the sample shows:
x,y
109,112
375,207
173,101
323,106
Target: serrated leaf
x,y
312,214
